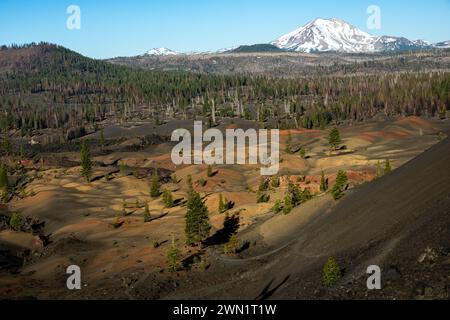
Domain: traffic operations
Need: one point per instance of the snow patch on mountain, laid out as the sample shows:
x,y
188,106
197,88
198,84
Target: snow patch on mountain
x,y
161,52
322,35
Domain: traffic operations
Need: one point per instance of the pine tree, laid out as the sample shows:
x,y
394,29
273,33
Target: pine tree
x,y
221,204
379,171
168,199
288,148
323,183
295,194
287,208
303,153
387,167
173,256
3,178
277,207
335,139
210,172
190,186
338,189
331,272
197,220
154,186
102,138
16,222
275,182
122,168
263,185
7,146
86,164
147,214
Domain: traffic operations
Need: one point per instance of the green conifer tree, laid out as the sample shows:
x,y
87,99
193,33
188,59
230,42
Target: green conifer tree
x,y
334,139
86,164
3,178
168,199
323,183
154,185
197,226
147,214
339,187
387,167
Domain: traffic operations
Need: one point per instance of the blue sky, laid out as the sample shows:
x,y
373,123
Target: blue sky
x,y
130,27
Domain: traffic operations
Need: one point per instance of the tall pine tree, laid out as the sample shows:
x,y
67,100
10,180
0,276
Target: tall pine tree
x,y
86,164
334,139
154,185
3,178
197,220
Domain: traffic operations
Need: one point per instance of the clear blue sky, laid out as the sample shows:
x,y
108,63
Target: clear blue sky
x,y
130,27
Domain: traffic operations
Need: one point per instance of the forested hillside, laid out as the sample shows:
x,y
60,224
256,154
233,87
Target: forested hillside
x,y
48,86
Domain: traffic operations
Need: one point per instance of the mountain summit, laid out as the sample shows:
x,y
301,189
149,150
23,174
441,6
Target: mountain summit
x,y
162,52
323,35
326,35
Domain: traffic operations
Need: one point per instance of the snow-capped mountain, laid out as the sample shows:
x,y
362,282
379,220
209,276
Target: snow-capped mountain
x,y
161,52
326,35
323,35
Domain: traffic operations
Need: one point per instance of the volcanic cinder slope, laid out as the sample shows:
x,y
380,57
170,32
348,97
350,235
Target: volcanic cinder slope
x,y
400,222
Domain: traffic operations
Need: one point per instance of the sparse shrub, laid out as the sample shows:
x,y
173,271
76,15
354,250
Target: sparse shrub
x,y
204,265
173,256
147,215
262,197
168,199
122,168
117,223
275,182
3,178
331,272
210,171
379,170
232,245
323,183
201,182
190,187
277,207
154,185
156,244
221,204
303,153
387,167
287,207
224,204
7,146
263,185
288,149
16,222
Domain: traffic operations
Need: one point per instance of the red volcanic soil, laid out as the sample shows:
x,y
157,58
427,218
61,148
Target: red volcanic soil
x,y
416,121
299,131
377,135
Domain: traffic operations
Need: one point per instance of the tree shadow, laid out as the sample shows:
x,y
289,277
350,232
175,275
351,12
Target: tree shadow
x,y
230,227
162,215
267,292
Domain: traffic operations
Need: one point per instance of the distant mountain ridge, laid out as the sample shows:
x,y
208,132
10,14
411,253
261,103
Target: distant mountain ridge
x,y
324,35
